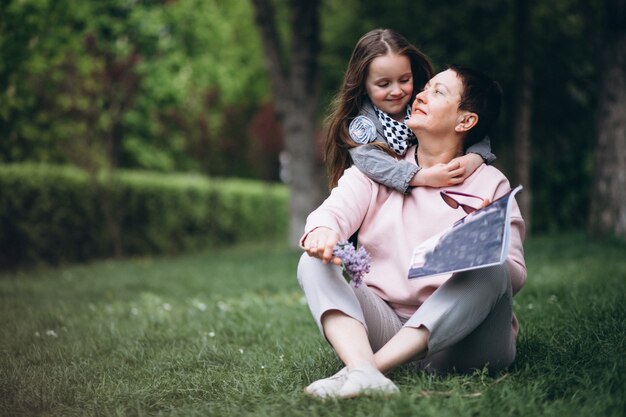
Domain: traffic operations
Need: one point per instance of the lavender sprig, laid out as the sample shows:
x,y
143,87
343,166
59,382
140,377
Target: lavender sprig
x,y
356,263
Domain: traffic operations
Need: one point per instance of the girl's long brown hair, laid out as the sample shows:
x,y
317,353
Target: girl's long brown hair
x,y
348,101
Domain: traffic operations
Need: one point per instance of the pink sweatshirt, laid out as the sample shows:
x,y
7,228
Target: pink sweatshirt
x,y
391,224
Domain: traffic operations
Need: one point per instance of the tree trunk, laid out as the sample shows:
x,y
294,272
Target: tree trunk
x,y
304,186
608,198
295,86
522,109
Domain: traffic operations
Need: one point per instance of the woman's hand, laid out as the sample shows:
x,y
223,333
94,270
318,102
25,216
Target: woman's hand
x,y
320,243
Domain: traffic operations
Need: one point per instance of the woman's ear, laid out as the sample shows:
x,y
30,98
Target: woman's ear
x,y
466,121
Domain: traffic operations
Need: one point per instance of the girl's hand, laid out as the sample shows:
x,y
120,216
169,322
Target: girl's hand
x,y
320,243
469,163
440,175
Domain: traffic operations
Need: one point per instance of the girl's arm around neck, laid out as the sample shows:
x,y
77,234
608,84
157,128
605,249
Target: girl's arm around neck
x,y
383,168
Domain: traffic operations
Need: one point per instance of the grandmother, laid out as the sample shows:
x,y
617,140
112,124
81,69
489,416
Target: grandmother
x,y
444,323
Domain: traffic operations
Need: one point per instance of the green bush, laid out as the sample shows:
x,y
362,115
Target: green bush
x,y
57,213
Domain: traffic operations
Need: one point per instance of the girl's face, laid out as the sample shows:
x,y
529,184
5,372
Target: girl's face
x,y
436,107
389,84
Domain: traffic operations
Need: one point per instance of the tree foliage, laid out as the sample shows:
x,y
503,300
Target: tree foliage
x,y
179,85
150,84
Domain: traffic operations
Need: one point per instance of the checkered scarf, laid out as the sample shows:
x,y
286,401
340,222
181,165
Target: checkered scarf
x,y
397,134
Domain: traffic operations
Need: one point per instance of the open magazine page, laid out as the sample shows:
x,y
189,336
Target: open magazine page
x,y
478,240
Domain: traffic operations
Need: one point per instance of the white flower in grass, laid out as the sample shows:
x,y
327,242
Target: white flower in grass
x,y
199,305
262,366
241,351
167,307
51,333
211,334
530,306
134,311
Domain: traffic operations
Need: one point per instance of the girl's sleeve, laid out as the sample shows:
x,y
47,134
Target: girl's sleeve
x,y
483,148
383,168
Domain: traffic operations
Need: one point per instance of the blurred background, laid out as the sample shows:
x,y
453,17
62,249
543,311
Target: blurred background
x,y
240,89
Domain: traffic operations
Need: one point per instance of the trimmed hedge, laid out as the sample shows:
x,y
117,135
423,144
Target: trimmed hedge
x,y
59,213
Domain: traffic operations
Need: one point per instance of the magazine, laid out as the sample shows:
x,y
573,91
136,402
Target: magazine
x,y
478,240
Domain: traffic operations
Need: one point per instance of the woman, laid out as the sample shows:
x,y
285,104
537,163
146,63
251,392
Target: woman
x,y
459,322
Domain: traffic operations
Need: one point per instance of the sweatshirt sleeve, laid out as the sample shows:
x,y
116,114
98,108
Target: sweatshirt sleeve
x,y
383,168
515,259
483,148
345,208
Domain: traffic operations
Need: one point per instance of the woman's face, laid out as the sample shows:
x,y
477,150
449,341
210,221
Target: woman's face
x,y
389,84
436,107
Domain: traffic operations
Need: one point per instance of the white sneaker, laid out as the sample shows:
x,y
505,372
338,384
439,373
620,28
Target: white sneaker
x,y
366,381
328,387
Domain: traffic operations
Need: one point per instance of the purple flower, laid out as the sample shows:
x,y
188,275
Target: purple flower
x,y
356,263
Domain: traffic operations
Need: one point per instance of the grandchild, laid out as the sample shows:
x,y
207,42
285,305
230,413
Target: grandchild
x,y
366,126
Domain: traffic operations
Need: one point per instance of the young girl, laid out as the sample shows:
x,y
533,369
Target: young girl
x,y
366,126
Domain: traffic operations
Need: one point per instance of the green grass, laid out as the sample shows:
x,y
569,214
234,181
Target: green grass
x,y
226,333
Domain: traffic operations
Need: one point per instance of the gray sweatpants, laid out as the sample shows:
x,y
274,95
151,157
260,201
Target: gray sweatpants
x,y
468,317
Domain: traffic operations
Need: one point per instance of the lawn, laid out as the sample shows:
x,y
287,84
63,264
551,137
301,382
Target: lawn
x,y
226,332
